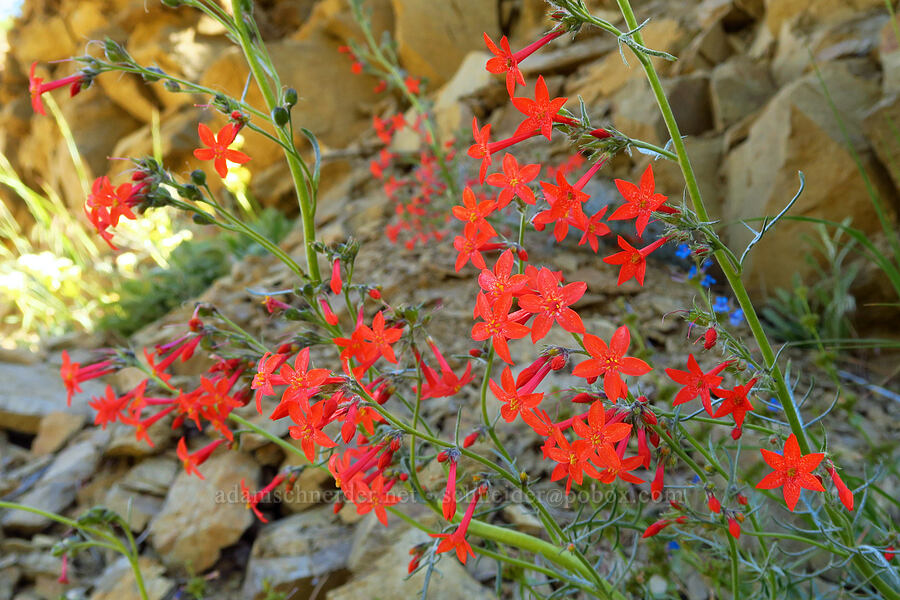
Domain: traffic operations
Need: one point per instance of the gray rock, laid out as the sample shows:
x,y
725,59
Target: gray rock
x,y
299,554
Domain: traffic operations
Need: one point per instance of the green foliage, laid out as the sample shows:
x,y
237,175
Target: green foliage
x,y
192,267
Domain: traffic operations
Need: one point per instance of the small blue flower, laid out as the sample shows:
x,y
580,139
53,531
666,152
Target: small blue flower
x,y
696,479
673,545
773,405
708,281
706,264
692,272
721,304
736,318
683,251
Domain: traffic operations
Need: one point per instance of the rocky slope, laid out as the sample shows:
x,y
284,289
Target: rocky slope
x,y
746,95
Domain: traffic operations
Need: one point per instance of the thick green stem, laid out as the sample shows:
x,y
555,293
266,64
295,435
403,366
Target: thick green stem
x,y
306,203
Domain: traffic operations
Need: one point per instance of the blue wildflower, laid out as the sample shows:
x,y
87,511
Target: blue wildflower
x,y
721,304
773,405
692,272
706,264
673,545
736,318
683,251
708,281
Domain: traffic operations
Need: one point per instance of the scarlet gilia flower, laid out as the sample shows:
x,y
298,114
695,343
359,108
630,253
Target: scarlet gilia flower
x,y
217,147
448,383
511,398
111,407
501,281
141,427
336,283
539,112
696,382
735,402
37,87
73,374
660,525
471,244
330,317
470,439
640,202
844,492
593,228
252,500
632,260
565,202
266,376
514,181
457,539
713,503
505,62
473,212
412,85
448,504
709,338
498,324
613,466
105,205
192,460
375,497
656,486
734,526
611,362
64,570
308,428
792,471
483,148
550,303
600,429
382,338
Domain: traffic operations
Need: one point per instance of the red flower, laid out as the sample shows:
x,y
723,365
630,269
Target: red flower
x,y
611,362
696,382
792,470
501,281
308,428
513,180
640,201
551,303
110,407
509,395
844,492
474,212
504,61
735,402
498,324
375,497
481,147
470,245
37,87
191,461
457,539
540,111
336,277
252,500
597,431
574,459
303,382
218,150
734,527
593,229
633,261
449,502
382,338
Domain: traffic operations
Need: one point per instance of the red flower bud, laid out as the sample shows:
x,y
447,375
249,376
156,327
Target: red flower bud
x,y
709,338
558,361
374,294
742,500
734,528
844,492
713,503
471,438
736,433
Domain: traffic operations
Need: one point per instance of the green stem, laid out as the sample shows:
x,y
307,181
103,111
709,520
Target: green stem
x,y
269,436
295,164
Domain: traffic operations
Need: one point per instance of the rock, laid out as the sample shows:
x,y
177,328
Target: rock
x,y
312,487
118,583
124,442
637,114
56,488
706,158
797,132
450,113
142,490
334,18
779,12
882,128
738,88
711,47
9,577
200,517
43,40
298,555
434,37
610,75
31,393
523,519
54,431
386,577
